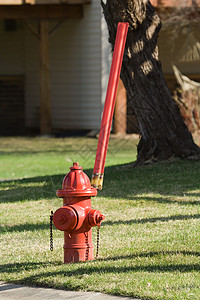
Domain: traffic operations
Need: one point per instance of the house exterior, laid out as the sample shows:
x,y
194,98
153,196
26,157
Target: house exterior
x,y
55,62
77,67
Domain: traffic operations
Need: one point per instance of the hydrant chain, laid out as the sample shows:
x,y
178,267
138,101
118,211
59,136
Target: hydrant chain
x,y
51,231
97,252
87,245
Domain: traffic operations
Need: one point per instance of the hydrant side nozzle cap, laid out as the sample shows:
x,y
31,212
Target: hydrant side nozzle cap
x,y
95,217
102,217
65,218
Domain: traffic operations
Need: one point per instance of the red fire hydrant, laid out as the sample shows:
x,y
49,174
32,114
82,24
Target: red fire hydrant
x,y
76,218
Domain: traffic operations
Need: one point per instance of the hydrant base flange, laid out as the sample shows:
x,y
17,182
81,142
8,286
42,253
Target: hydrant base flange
x,y
72,255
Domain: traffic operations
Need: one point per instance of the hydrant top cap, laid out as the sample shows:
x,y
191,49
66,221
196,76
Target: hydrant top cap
x,y
76,183
76,166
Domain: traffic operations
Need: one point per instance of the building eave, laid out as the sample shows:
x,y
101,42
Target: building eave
x,y
40,12
174,3
42,2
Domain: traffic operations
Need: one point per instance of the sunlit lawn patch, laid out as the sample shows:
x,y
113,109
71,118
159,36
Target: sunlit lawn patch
x,y
149,241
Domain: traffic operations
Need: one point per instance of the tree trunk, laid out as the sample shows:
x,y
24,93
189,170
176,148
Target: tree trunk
x,y
163,132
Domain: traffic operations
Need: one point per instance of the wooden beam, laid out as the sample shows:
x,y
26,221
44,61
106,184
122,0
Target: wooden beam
x,y
41,11
120,110
40,2
11,2
32,29
45,104
50,2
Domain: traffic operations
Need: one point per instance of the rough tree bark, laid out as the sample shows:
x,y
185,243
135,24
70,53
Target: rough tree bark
x,y
163,132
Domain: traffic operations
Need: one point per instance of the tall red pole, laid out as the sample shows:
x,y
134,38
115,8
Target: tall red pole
x,y
106,122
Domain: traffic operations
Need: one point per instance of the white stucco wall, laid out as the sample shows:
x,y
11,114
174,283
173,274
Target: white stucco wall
x,y
75,69
106,58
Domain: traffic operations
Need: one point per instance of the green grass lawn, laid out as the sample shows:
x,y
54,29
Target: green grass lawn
x,y
149,241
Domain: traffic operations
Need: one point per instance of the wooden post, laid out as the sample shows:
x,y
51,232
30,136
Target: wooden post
x,y
120,110
45,104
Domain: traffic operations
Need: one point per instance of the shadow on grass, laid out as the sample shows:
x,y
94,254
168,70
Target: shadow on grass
x,y
45,226
153,220
167,200
24,227
43,273
27,266
167,179
106,267
151,254
30,189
